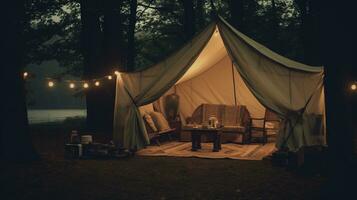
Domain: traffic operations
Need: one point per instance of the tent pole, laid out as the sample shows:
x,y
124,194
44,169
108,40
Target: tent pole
x,y
234,86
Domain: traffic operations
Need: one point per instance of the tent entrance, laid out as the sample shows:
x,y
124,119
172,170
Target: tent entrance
x,y
213,79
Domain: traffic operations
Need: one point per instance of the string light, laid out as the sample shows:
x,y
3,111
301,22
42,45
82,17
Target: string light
x,y
85,85
51,84
354,86
72,85
75,83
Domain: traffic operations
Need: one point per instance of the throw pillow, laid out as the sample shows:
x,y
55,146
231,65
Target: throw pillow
x,y
160,121
150,122
146,109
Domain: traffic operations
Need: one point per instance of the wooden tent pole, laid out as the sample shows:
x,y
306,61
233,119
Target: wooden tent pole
x,y
234,85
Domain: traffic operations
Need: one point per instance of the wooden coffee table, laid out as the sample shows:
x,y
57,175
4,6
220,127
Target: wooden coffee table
x,y
196,134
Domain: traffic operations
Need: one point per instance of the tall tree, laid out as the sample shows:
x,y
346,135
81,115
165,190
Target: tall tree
x,y
131,36
14,124
213,9
338,43
113,58
275,28
309,31
159,30
92,51
236,8
52,32
189,18
113,36
200,18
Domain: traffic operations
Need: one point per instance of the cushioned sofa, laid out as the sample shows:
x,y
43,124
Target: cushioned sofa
x,y
235,121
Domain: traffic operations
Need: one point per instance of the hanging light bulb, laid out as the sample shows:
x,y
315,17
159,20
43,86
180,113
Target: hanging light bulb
x,y
72,85
51,84
110,77
85,85
97,83
354,86
117,72
25,74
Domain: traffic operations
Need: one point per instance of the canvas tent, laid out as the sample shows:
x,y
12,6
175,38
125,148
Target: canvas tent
x,y
223,66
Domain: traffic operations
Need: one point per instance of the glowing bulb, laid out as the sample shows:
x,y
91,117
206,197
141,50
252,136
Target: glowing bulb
x,y
25,74
51,84
354,86
110,77
71,85
85,85
97,83
117,73
216,33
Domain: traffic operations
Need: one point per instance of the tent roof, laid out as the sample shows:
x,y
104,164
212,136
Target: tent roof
x,y
269,53
214,51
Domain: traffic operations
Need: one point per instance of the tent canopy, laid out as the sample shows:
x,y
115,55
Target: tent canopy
x,y
222,65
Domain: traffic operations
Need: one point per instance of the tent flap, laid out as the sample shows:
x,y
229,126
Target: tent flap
x,y
147,86
280,84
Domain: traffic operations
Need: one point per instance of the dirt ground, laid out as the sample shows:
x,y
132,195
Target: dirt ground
x,y
54,177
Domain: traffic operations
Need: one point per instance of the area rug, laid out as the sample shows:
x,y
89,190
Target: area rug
x,y
230,150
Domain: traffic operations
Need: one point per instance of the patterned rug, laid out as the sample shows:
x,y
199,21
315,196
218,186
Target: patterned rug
x,y
230,150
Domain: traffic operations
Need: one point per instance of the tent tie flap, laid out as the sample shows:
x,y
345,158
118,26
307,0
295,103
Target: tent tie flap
x,y
292,116
131,97
297,117
134,141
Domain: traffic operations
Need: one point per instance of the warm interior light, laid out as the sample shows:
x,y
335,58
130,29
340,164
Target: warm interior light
x,y
85,85
117,73
25,74
354,86
216,33
97,83
110,77
51,84
71,85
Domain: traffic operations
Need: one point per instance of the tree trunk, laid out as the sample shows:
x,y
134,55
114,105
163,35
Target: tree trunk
x,y
113,36
213,9
200,13
189,19
338,43
113,58
131,36
101,43
92,50
309,33
236,8
15,137
276,45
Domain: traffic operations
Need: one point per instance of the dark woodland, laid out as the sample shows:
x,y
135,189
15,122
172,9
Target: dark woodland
x,y
91,38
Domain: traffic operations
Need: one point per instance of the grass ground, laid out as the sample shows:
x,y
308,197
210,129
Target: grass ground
x,y
54,177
